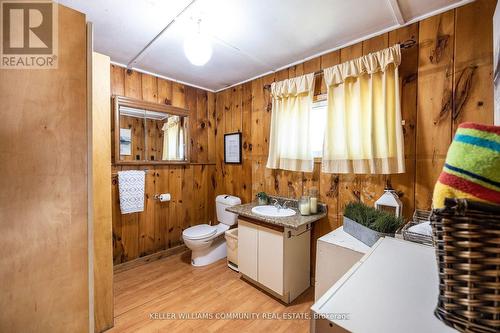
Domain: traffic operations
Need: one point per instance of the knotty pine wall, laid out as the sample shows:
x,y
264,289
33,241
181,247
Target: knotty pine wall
x,y
192,186
446,79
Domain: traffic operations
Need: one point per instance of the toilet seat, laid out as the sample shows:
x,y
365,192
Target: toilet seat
x,y
199,231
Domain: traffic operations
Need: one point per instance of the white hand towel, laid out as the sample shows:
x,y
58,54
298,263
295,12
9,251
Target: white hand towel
x,y
131,187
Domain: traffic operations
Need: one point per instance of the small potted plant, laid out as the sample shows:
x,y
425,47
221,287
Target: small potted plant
x,y
262,198
368,224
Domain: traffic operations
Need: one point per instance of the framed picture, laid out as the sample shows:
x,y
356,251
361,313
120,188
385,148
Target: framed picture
x,y
232,148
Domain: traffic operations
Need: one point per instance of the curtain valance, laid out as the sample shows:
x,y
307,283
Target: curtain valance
x,y
292,87
369,64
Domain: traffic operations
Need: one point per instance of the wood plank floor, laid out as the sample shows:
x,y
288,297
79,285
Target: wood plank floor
x,y
172,285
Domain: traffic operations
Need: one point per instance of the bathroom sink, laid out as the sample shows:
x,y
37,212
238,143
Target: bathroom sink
x,y
272,211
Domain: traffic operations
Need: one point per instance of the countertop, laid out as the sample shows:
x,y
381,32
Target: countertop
x,y
292,222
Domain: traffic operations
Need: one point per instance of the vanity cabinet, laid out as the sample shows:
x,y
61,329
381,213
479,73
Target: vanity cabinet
x,y
275,258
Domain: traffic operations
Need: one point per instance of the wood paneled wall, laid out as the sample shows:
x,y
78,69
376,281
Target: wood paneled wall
x,y
192,186
43,190
446,79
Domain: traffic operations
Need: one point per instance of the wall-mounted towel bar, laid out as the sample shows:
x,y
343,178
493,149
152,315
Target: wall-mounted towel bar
x,y
116,173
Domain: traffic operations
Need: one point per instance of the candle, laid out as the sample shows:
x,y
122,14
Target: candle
x,y
313,201
314,205
305,206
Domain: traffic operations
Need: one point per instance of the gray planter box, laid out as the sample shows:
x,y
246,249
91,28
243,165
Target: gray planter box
x,y
362,233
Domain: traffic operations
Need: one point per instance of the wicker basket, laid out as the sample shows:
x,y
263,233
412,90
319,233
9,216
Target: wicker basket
x,y
419,216
467,243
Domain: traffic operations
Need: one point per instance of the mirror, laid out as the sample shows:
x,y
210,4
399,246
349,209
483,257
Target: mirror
x,y
150,133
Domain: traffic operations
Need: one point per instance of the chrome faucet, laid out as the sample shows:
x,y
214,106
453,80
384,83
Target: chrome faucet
x,y
282,206
277,205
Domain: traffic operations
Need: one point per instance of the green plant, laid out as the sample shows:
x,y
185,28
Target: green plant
x,y
262,195
372,218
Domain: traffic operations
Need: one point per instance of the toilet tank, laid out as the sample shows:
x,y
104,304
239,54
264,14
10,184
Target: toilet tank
x,y
221,203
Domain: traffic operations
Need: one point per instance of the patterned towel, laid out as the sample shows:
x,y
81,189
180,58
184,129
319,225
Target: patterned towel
x,y
472,167
131,188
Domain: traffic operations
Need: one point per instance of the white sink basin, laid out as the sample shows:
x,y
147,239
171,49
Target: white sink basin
x,y
272,211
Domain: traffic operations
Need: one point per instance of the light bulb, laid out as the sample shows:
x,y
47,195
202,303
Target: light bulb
x,y
198,49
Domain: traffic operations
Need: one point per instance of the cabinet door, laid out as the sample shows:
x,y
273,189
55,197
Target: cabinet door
x,y
271,259
247,249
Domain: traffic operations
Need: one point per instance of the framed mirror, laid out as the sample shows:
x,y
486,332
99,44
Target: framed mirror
x,y
149,133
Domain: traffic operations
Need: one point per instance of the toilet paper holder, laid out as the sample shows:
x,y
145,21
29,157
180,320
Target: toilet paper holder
x,y
163,197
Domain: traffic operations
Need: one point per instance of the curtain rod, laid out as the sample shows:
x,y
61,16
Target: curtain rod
x,y
405,45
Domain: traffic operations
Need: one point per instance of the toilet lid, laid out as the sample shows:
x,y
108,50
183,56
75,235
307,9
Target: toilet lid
x,y
199,231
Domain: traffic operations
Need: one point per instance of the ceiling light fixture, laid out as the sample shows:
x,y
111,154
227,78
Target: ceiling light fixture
x,y
197,47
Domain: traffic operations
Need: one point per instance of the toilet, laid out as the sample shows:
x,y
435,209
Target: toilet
x,y
207,242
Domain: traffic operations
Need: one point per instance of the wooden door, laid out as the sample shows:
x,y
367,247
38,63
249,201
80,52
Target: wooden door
x,y
43,190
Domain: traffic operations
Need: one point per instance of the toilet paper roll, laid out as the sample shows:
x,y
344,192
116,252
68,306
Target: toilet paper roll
x,y
164,197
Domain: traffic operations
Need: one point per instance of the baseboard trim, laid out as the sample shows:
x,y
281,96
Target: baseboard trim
x,y
149,258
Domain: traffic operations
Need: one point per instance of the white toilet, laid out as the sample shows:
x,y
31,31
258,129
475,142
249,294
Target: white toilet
x,y
207,242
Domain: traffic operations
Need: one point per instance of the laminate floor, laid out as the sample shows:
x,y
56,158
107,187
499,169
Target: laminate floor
x,y
154,297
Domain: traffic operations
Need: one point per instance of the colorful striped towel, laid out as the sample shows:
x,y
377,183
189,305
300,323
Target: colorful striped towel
x,y
472,167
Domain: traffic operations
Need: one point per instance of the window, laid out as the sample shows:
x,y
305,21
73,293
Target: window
x,y
317,125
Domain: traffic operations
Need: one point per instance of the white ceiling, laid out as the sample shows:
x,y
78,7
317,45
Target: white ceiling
x,y
249,37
